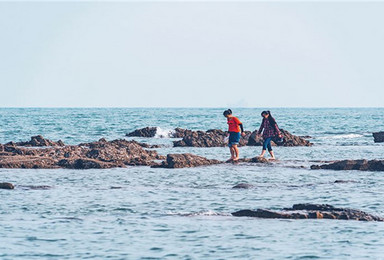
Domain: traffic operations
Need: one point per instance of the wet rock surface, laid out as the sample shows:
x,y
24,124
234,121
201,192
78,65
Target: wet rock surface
x,y
344,165
243,186
185,160
310,211
6,186
378,137
99,154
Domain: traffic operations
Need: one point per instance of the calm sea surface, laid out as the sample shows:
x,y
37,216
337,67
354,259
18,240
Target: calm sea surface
x,y
185,213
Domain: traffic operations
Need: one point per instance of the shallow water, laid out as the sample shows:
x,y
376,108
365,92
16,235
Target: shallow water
x,y
144,213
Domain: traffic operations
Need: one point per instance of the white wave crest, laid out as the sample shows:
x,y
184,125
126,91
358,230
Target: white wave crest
x,y
200,213
164,133
344,136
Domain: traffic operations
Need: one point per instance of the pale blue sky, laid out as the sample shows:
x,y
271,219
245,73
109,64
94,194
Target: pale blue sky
x,y
192,54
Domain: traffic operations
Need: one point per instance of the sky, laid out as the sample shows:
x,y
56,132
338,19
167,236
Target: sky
x,y
192,54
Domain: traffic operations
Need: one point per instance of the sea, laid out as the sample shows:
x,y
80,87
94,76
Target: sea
x,y
145,213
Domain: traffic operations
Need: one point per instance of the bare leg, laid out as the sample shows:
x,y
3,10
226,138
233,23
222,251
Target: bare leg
x,y
262,153
272,155
232,153
236,152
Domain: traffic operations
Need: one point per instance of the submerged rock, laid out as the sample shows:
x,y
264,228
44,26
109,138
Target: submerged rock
x,y
185,160
243,186
344,165
378,137
6,186
100,154
310,211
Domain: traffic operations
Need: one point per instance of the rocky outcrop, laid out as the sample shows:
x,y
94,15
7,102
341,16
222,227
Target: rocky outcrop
x,y
378,137
144,132
6,186
216,138
210,138
289,140
38,140
361,165
310,211
100,154
185,160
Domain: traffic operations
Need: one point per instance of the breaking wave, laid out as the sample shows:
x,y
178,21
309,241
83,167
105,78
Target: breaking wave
x,y
164,133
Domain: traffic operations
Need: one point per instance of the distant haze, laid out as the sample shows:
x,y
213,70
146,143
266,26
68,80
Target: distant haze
x,y
192,54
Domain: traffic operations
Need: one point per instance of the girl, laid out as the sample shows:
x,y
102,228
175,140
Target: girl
x,y
270,130
234,128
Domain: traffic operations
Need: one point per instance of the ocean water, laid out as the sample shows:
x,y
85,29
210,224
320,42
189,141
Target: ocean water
x,y
144,213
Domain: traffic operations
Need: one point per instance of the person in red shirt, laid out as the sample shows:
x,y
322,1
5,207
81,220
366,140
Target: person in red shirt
x,y
235,130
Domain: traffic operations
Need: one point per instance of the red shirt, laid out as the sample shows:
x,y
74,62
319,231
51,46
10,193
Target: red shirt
x,y
233,124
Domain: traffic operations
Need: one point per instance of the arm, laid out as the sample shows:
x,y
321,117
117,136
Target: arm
x,y
277,130
261,127
242,128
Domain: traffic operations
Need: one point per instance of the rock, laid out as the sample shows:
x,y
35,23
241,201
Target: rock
x,y
215,138
310,211
256,159
243,186
185,160
34,187
378,137
38,140
344,165
289,140
344,181
144,132
6,186
86,164
100,154
210,138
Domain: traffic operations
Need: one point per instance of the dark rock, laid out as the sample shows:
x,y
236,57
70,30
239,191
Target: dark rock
x,y
144,132
243,186
361,165
289,140
215,138
256,159
100,154
344,181
210,138
310,211
85,164
6,186
34,187
185,160
38,140
378,137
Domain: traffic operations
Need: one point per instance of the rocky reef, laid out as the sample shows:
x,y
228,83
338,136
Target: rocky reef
x,y
344,165
310,211
99,154
215,138
378,137
185,160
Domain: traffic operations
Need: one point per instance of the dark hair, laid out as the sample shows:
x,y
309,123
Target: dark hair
x,y
227,112
271,120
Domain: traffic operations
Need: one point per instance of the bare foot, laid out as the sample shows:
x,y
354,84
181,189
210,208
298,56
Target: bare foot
x,y
236,159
